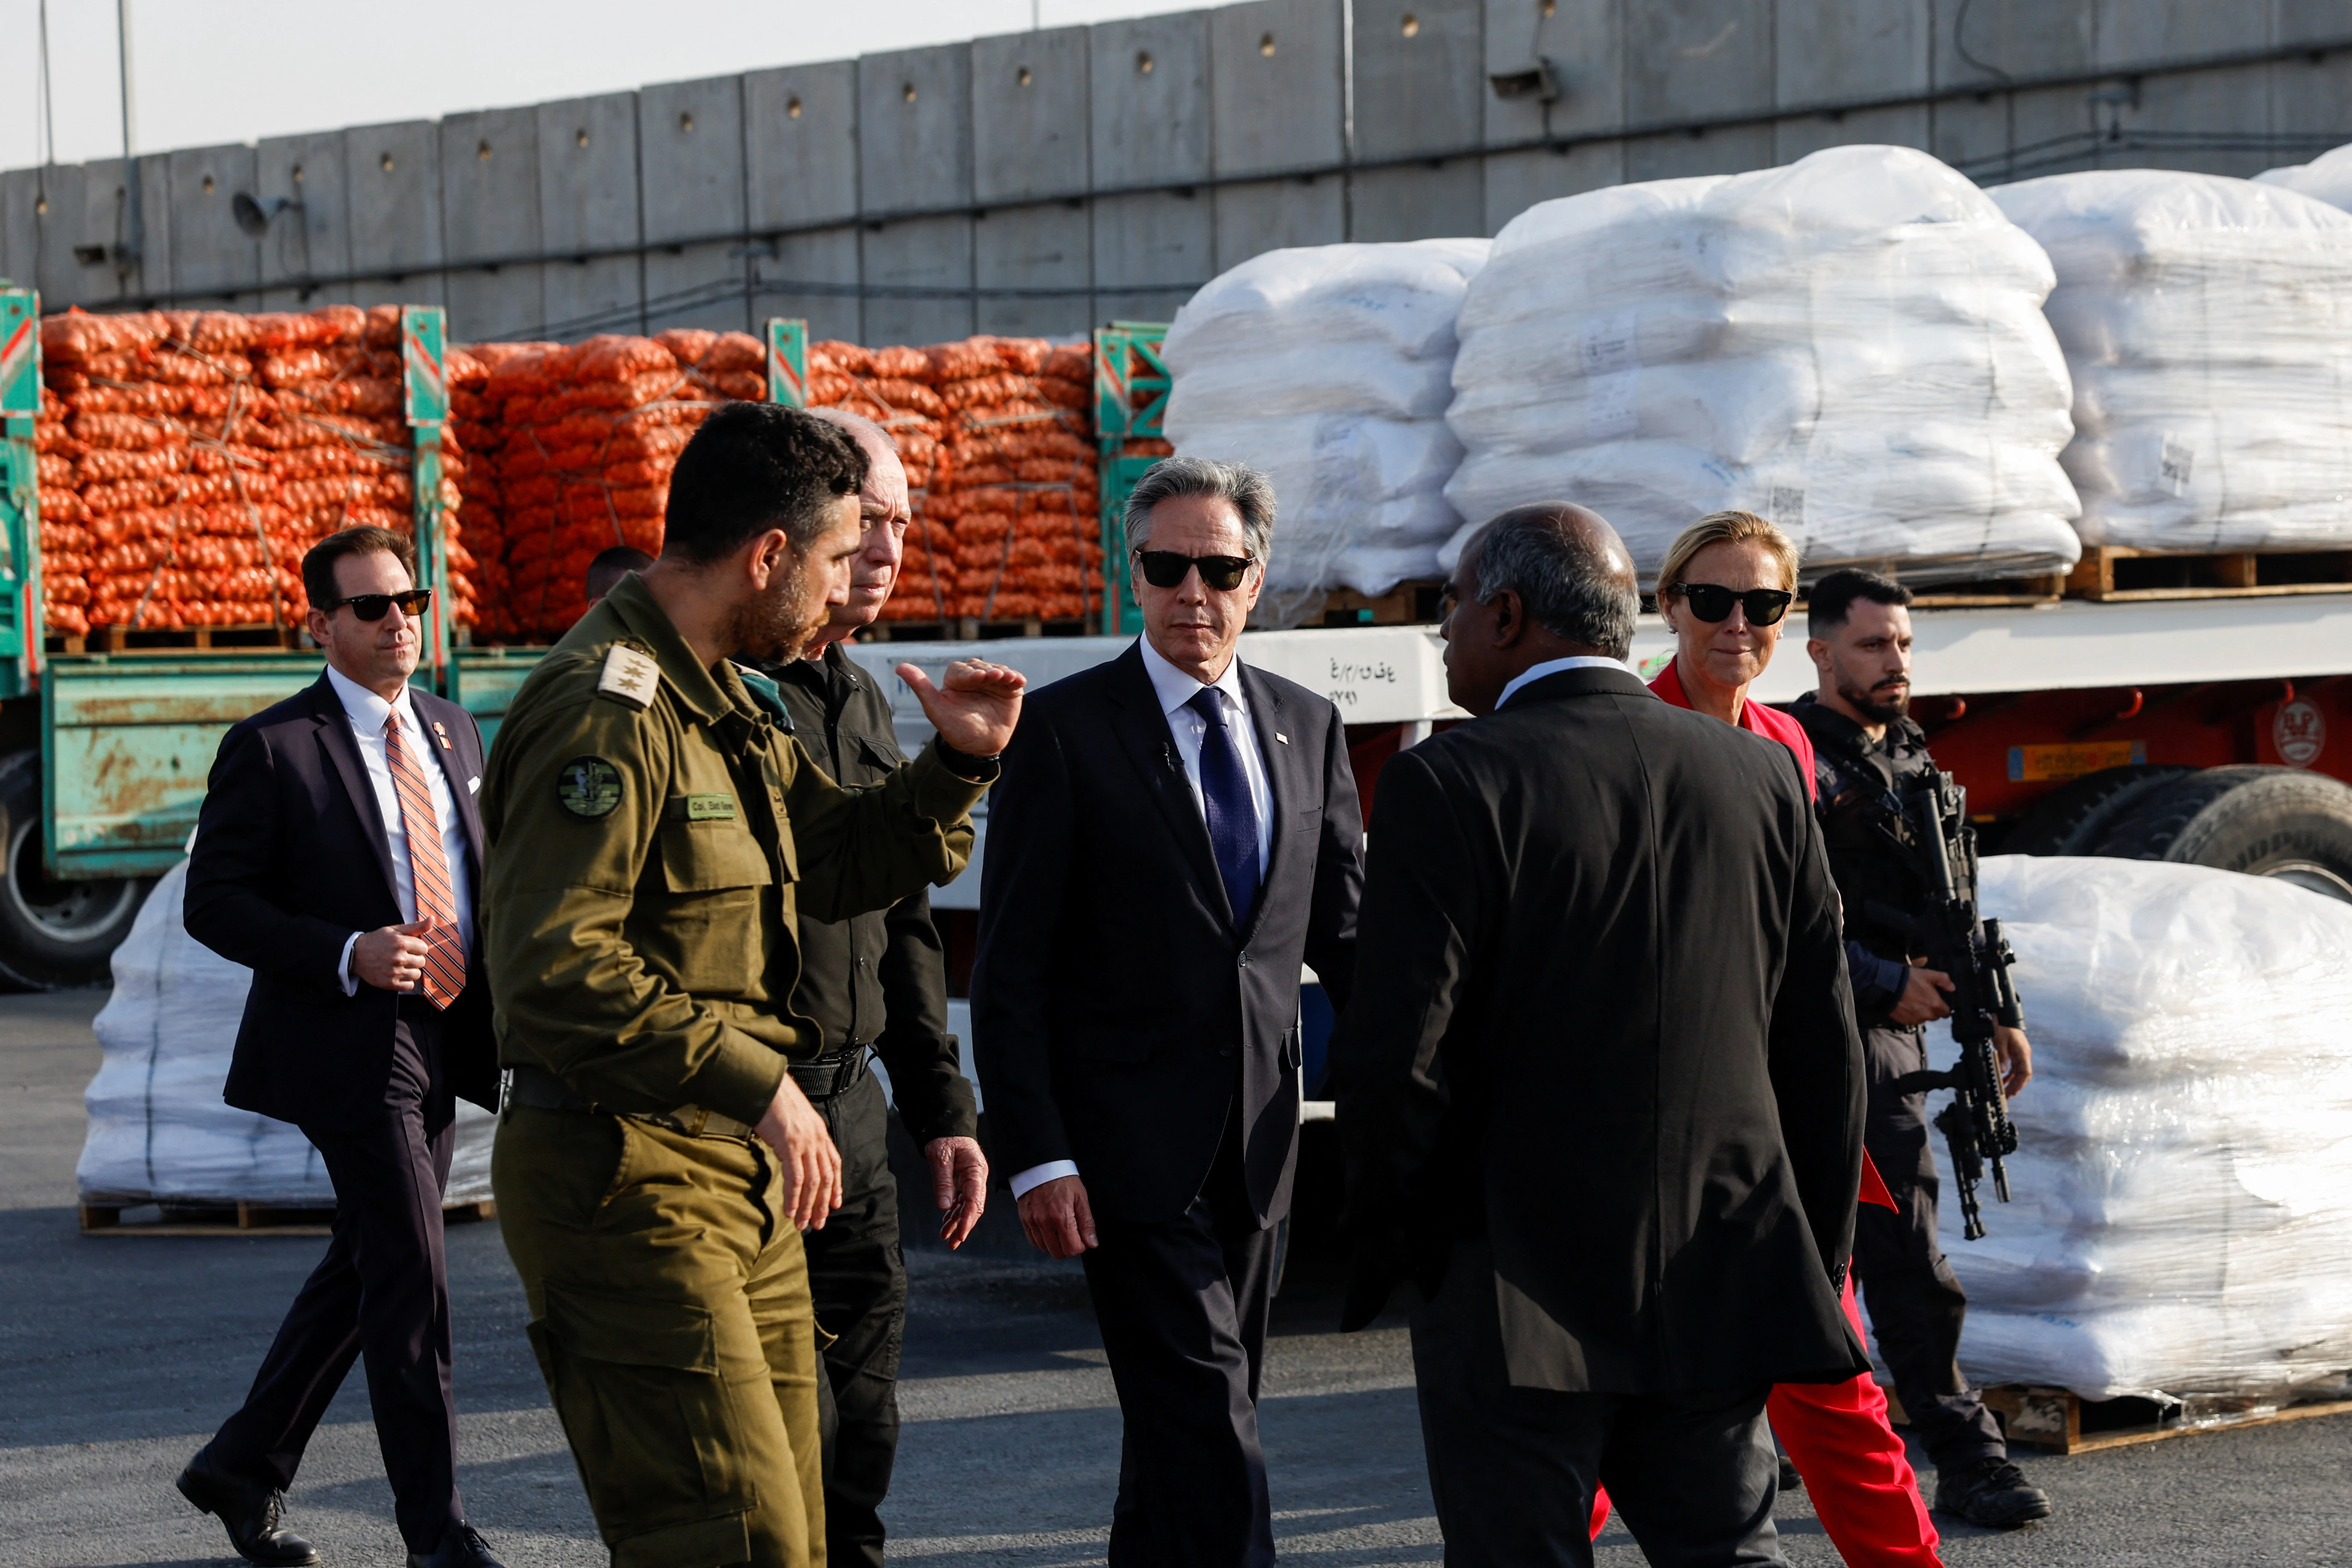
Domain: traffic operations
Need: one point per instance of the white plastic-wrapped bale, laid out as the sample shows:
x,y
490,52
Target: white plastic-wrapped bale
x,y
159,1131
1329,367
2181,1218
2328,177
2208,323
1852,345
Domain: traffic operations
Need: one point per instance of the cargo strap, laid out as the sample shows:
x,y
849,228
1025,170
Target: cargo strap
x,y
539,1087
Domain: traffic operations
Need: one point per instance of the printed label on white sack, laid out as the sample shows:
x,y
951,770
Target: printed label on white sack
x,y
2173,465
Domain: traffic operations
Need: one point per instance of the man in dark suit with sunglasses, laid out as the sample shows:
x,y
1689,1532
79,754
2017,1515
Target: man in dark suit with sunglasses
x,y
1174,832
337,857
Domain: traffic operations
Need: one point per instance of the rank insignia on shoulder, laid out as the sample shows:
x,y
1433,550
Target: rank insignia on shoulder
x,y
631,675
588,786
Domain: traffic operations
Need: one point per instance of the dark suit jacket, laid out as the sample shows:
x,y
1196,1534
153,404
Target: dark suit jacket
x,y
290,859
1114,1008
1601,1017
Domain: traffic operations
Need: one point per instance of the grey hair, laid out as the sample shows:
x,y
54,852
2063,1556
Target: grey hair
x,y
862,430
1566,589
1251,492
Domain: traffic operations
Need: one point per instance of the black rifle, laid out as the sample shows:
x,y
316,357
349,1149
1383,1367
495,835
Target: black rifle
x,y
1931,825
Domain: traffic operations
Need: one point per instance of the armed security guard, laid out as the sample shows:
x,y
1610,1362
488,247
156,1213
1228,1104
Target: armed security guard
x,y
1867,753
653,834
873,982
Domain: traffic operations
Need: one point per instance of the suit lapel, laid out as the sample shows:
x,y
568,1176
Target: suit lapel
x,y
455,767
1142,730
344,751
1285,779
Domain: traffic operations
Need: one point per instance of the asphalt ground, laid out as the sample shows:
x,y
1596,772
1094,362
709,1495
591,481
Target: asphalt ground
x,y
120,1354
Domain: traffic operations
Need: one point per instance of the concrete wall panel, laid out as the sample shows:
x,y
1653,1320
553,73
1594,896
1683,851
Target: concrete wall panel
x,y
1151,251
314,240
1585,41
2310,98
2133,31
914,130
210,255
92,205
20,233
1417,201
64,220
1854,48
825,257
1029,115
1793,139
799,143
1420,85
395,211
1518,181
1150,118
1734,151
588,200
931,257
691,169
2015,136
1269,214
1046,244
2019,37
2225,102
1690,57
1274,85
490,207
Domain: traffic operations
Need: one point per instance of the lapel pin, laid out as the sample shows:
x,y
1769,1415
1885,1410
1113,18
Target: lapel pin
x,y
441,732
1281,737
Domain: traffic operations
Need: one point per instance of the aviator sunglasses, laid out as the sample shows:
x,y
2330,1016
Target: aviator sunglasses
x,y
1713,602
374,606
1166,569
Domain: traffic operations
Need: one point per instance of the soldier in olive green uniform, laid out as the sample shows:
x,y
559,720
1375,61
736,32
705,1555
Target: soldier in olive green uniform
x,y
653,836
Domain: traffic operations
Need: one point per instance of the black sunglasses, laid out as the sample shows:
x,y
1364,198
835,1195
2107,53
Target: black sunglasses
x,y
1166,569
373,606
1713,602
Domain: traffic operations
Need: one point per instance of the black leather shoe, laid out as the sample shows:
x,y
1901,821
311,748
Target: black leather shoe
x,y
462,1546
1991,1494
1791,1482
251,1513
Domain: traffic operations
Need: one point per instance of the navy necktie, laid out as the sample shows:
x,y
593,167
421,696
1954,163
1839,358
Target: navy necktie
x,y
1225,801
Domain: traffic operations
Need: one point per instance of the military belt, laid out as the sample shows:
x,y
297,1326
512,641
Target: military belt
x,y
538,1087
827,1077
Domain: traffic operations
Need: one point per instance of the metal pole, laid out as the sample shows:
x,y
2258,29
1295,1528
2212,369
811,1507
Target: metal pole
x,y
123,28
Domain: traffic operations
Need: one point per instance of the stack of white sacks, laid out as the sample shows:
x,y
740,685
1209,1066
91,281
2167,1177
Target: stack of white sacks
x,y
1329,367
2182,1212
2328,177
1852,346
2208,325
159,1131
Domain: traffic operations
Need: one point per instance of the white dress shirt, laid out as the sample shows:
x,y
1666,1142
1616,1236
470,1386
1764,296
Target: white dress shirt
x,y
1554,665
367,713
1187,729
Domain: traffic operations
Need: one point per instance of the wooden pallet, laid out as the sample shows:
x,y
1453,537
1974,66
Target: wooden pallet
x,y
2059,1422
104,1216
189,639
2114,572
1998,592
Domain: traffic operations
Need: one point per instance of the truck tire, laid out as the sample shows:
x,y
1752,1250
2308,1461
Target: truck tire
x,y
53,933
2072,818
2263,821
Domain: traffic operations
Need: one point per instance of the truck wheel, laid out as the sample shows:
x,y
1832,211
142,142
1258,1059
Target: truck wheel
x,y
2074,817
2263,821
53,932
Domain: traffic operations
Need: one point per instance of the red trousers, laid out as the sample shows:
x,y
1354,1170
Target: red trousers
x,y
1854,1468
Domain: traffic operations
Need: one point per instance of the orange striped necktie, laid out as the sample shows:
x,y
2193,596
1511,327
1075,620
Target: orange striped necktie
x,y
437,902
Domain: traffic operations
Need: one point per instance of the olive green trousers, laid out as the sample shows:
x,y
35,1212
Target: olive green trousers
x,y
670,1305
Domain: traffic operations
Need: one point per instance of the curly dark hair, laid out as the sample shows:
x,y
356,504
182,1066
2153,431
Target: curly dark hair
x,y
754,467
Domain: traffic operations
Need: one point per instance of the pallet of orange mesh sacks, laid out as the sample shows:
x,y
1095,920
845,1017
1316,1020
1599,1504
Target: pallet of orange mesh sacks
x,y
995,433
189,459
576,443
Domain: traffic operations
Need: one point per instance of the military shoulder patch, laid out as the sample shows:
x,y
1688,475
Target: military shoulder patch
x,y
631,675
589,787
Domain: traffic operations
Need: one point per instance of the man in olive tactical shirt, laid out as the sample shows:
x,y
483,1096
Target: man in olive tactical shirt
x,y
1867,753
877,983
653,835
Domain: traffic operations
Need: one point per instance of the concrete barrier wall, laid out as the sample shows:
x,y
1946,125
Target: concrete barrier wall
x,y
1044,182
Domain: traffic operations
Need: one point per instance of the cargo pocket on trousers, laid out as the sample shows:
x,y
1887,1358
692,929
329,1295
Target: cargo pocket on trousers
x,y
654,1422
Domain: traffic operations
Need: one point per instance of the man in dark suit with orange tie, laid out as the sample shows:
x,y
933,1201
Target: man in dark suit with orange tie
x,y
1175,831
337,857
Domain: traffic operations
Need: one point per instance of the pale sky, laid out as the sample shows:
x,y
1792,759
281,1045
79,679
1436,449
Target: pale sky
x,y
206,72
